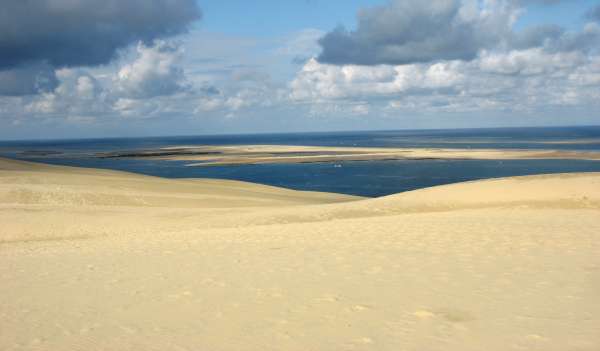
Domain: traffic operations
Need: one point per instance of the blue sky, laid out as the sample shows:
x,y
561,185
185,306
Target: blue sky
x,y
271,66
569,14
265,18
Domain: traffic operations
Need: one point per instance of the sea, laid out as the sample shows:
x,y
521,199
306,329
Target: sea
x,y
364,178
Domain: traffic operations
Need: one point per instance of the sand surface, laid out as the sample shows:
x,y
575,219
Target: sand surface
x,y
105,260
269,154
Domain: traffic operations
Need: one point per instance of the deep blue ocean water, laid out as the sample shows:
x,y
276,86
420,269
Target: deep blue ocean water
x,y
367,178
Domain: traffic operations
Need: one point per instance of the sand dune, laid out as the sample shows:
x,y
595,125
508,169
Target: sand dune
x,y
105,260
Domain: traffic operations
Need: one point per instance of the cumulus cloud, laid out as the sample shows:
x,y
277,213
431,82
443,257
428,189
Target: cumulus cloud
x,y
73,33
85,32
452,56
528,62
413,31
553,38
155,72
442,56
78,94
588,75
319,81
516,80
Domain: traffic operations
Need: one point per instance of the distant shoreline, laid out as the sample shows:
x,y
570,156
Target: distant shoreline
x,y
275,154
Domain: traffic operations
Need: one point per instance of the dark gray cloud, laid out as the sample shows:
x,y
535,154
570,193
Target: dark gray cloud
x,y
71,33
85,32
409,31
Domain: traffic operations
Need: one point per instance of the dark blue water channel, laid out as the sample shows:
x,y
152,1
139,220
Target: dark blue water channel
x,y
366,178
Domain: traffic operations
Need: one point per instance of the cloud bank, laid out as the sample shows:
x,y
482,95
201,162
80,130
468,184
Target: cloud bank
x,y
409,60
414,31
74,33
453,56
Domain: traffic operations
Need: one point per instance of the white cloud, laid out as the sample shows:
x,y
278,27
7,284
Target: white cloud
x,y
518,80
534,61
587,76
155,72
275,80
77,94
87,87
361,109
318,81
208,104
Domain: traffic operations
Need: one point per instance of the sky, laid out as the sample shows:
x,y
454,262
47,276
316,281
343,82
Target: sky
x,y
117,68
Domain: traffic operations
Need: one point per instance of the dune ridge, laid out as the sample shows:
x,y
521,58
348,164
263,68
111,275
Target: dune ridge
x,y
95,260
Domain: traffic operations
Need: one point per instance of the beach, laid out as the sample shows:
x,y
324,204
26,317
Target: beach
x,y
106,260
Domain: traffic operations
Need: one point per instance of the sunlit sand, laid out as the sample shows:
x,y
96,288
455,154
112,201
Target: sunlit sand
x,y
106,260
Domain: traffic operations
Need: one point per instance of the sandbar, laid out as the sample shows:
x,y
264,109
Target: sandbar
x,y
271,154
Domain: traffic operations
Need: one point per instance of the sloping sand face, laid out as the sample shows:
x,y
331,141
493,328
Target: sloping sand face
x,y
102,260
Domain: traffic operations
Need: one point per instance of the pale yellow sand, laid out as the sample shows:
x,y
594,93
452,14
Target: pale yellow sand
x,y
102,260
268,154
